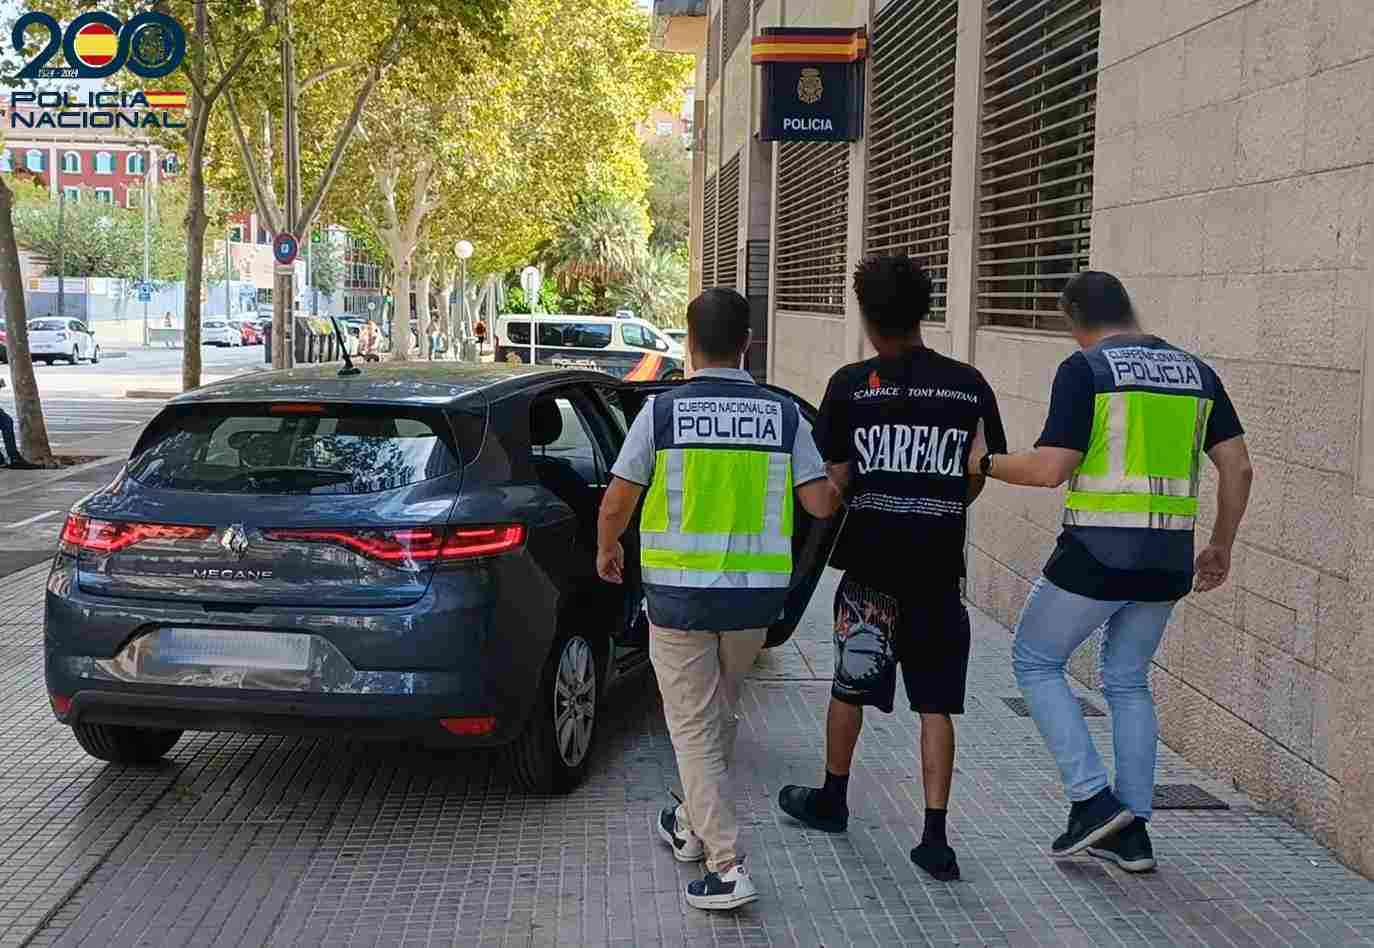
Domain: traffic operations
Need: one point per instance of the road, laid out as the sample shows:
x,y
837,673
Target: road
x,y
141,369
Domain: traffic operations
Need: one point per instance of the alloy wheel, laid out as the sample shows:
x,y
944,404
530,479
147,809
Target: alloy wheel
x,y
574,701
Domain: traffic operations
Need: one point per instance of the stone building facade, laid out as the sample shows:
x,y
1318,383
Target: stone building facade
x,y
1219,156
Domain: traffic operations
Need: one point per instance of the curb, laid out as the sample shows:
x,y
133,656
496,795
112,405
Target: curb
x,y
150,393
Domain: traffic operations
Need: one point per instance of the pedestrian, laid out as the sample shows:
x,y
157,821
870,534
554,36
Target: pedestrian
x,y
479,330
719,457
1130,416
896,431
14,460
368,341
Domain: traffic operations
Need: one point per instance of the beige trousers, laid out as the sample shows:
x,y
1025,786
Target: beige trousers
x,y
700,675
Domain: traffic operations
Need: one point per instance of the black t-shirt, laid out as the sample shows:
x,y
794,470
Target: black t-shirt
x,y
1070,425
906,426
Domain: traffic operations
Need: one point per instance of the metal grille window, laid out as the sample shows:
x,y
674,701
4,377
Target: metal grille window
x,y
910,140
727,225
812,224
712,51
736,13
708,234
1035,202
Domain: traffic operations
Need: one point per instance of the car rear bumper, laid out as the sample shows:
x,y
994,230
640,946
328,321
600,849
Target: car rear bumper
x,y
418,718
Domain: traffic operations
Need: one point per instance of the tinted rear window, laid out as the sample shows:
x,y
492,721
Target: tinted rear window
x,y
248,449
46,325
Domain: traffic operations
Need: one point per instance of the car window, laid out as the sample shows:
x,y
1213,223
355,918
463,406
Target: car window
x,y
335,450
45,325
75,326
575,444
518,334
634,336
553,334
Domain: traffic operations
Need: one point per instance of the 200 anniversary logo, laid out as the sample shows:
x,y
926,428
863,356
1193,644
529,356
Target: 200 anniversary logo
x,y
96,45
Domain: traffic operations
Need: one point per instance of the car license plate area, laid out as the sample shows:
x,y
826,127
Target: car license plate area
x,y
235,648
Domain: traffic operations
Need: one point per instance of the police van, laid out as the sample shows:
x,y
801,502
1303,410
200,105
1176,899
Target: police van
x,y
630,349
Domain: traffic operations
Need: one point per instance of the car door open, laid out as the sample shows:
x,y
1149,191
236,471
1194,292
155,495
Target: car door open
x,y
812,539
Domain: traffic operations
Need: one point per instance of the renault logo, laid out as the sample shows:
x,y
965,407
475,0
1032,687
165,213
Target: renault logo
x,y
235,540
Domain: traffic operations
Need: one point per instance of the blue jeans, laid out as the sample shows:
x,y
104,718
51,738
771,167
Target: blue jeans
x,y
1053,623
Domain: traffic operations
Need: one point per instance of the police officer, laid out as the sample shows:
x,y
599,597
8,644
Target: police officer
x,y
716,460
1130,417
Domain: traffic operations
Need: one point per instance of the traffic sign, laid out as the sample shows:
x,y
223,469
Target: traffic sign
x,y
530,281
144,295
372,307
285,247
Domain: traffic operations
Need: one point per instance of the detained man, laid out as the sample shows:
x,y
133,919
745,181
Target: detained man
x,y
896,431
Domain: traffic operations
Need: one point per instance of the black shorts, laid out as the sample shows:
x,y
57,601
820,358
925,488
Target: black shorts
x,y
928,634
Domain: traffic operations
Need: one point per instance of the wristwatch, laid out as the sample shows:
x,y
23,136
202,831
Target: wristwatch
x,y
985,465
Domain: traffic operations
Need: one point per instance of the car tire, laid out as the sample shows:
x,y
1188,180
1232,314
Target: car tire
x,y
95,356
119,744
549,757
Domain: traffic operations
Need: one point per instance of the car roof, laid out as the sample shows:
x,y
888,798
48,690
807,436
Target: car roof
x,y
388,383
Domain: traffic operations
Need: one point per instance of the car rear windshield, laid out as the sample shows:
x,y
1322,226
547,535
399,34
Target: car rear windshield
x,y
293,449
46,325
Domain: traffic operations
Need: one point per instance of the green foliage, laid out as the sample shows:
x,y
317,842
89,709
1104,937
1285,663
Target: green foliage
x,y
655,287
669,163
599,240
326,266
102,240
550,300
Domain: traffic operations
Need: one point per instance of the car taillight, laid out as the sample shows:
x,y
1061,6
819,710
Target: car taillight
x,y
110,536
61,336
415,544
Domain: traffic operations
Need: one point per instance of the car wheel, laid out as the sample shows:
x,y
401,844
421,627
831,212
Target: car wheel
x,y
125,745
552,754
95,356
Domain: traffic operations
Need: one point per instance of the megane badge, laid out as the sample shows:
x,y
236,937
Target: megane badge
x,y
235,540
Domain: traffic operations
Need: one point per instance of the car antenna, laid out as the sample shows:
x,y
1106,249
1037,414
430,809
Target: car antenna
x,y
349,368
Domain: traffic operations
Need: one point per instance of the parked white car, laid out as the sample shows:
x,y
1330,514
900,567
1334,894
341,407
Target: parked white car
x,y
217,332
51,339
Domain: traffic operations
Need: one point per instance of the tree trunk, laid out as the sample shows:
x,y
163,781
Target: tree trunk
x,y
196,219
33,432
422,316
400,324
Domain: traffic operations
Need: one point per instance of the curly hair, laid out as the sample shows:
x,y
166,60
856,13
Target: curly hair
x,y
893,292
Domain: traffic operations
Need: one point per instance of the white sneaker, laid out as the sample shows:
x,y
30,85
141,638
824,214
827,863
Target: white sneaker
x,y
722,891
675,830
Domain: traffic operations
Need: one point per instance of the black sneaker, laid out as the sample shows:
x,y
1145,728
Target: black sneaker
x,y
721,891
809,806
1090,822
1130,849
672,827
938,861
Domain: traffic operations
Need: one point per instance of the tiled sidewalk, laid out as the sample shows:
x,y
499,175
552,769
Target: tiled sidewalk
x,y
252,841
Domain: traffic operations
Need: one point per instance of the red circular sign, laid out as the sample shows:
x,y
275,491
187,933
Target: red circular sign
x,y
96,44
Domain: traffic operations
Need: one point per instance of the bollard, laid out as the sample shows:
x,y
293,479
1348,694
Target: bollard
x,y
267,347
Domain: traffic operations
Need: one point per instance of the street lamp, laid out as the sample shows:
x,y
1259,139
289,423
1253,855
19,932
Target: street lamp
x,y
463,250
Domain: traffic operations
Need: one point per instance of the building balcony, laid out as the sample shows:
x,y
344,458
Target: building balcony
x,y
679,26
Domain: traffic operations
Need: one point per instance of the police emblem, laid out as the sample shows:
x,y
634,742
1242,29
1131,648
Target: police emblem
x,y
809,87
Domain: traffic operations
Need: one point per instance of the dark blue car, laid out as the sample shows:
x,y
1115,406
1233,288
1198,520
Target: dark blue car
x,y
403,553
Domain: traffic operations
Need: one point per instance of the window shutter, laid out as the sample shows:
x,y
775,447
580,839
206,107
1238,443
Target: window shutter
x,y
1035,200
708,234
727,225
911,135
812,225
712,52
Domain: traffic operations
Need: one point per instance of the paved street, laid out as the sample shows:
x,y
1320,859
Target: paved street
x,y
158,369
256,840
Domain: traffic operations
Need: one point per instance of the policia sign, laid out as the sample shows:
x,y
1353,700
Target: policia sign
x,y
813,83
